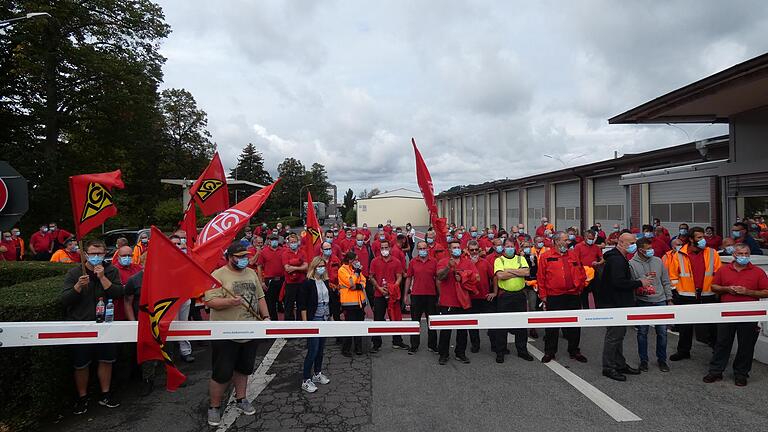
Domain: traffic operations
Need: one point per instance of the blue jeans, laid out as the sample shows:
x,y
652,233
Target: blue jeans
x,y
661,337
315,347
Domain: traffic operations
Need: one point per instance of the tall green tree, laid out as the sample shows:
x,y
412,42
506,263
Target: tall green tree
x,y
318,177
349,202
250,167
185,125
287,195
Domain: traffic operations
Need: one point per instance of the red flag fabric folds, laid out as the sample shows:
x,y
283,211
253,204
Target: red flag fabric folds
x,y
210,190
189,225
314,235
92,202
170,278
428,192
220,232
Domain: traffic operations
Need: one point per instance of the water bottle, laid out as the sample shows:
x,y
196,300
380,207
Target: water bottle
x,y
100,310
109,312
385,286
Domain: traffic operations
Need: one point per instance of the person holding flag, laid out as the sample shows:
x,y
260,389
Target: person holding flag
x,y
240,298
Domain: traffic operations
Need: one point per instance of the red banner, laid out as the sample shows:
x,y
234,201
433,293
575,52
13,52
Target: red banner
x,y
170,279
92,202
210,191
428,192
314,234
189,225
220,232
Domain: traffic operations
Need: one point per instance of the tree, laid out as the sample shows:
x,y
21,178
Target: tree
x,y
189,146
250,167
363,194
374,192
287,195
348,203
318,177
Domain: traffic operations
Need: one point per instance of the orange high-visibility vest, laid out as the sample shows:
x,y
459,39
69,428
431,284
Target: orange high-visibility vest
x,y
681,276
348,295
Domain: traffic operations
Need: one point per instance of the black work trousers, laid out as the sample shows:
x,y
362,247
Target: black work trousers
x,y
272,296
444,343
511,302
746,334
289,301
706,333
379,313
352,313
571,334
480,306
425,305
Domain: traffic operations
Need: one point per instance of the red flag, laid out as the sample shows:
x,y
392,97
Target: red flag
x,y
189,224
210,191
314,235
170,278
220,232
428,192
92,202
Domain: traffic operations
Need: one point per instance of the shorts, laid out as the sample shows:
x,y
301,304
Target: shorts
x,y
230,356
82,355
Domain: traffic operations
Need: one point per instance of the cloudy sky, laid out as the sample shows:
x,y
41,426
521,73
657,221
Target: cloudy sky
x,y
486,88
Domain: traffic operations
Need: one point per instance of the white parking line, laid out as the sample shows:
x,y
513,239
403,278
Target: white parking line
x,y
610,406
257,382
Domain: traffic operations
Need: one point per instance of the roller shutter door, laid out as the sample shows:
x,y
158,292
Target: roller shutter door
x,y
513,209
535,206
567,205
681,201
480,204
494,209
610,200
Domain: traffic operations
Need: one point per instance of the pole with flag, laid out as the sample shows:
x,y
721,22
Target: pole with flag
x,y
428,192
210,191
314,234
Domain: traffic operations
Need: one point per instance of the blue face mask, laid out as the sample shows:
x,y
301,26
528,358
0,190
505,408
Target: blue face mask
x,y
359,243
571,237
430,240
460,235
632,248
456,252
95,260
422,253
527,251
736,234
450,239
125,261
329,240
677,248
499,249
649,253
648,234
491,236
381,238
473,234
742,260
273,243
327,252
242,263
729,250
590,242
562,249
293,245
683,231
320,271
701,244
540,245
509,251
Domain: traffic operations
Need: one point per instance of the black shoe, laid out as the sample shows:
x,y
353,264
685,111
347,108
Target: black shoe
x,y
400,345
614,375
108,401
413,351
146,387
188,358
432,350
547,358
643,366
533,333
740,380
712,377
359,351
475,349
81,406
442,360
462,358
346,354
629,370
663,366
679,356
500,358
579,357
525,356
374,349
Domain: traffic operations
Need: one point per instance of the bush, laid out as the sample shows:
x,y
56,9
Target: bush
x,y
40,378
16,272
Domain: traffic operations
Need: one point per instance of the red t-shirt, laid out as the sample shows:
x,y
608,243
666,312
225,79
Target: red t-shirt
x,y
381,269
485,270
484,244
423,274
10,253
333,265
491,258
698,267
751,277
296,259
335,249
436,252
364,257
271,262
449,286
714,242
587,254
125,274
40,242
660,246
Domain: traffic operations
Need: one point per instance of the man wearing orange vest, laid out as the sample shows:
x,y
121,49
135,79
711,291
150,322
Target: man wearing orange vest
x,y
691,271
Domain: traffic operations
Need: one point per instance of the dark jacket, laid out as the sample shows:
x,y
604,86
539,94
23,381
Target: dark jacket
x,y
82,306
306,298
617,288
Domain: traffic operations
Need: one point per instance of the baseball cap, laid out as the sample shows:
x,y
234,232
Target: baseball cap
x,y
236,249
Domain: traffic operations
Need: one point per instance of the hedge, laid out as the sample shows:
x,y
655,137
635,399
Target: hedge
x,y
39,379
15,272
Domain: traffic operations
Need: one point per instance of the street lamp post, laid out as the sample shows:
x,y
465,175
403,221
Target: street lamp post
x,y
8,22
301,203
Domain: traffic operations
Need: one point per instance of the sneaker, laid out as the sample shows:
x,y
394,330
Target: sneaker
x,y
108,401
663,366
462,358
500,357
442,360
400,345
712,377
214,417
146,387
246,407
547,358
81,406
740,380
188,358
413,351
643,366
320,378
308,386
679,356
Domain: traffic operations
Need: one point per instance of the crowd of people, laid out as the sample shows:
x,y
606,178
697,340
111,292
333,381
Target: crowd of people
x,y
387,271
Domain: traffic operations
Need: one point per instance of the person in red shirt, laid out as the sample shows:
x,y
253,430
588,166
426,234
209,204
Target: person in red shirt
x,y
40,244
481,301
294,272
380,236
386,276
435,252
7,247
495,251
270,270
713,240
613,237
366,233
589,254
332,265
19,243
545,226
737,282
328,238
364,257
58,236
126,268
454,274
660,243
348,242
657,224
486,242
560,278
421,280
599,230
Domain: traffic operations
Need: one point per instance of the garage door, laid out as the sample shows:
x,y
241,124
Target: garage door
x,y
494,206
567,205
610,199
469,211
480,203
681,201
513,209
535,206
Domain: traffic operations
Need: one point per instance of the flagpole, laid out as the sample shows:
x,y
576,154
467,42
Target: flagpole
x,y
247,306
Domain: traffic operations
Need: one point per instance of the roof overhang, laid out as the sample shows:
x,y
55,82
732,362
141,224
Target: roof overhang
x,y
714,99
701,169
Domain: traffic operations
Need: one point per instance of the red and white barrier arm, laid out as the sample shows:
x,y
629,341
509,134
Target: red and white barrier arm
x,y
16,334
653,315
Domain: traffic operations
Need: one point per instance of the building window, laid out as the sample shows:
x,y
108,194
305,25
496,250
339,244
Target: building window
x,y
609,212
363,208
698,212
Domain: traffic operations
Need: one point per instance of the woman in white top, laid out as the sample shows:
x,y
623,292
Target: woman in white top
x,y
313,304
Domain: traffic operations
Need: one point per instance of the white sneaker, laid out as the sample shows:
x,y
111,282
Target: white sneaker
x,y
308,386
320,379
